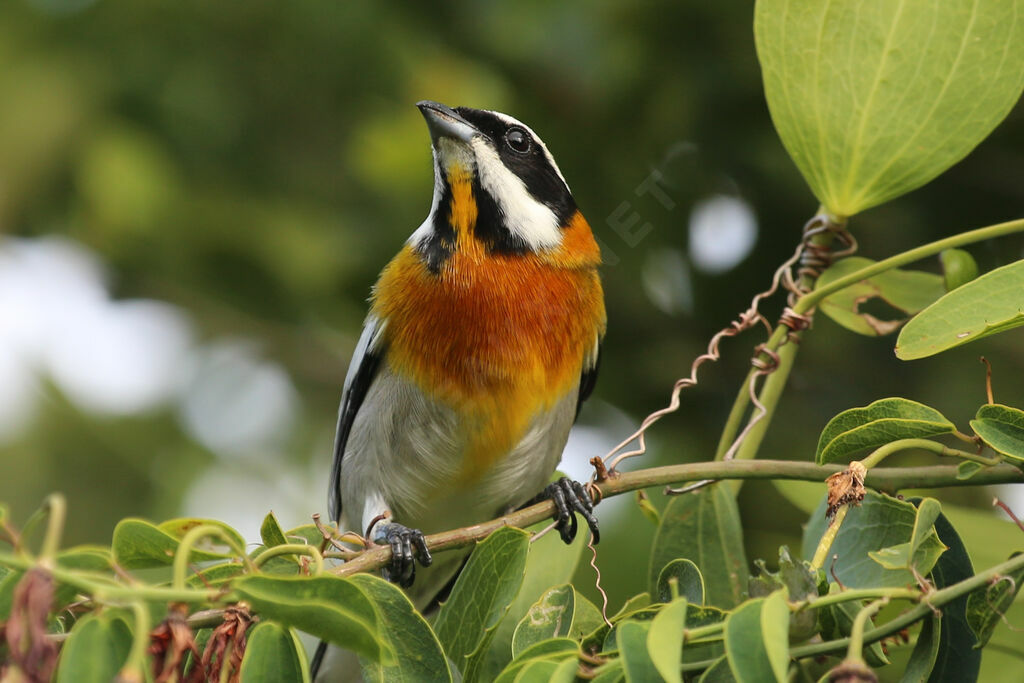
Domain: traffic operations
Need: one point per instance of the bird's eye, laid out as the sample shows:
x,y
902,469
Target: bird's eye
x,y
518,140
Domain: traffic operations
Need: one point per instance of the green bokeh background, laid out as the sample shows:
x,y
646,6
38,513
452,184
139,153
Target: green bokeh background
x,y
256,163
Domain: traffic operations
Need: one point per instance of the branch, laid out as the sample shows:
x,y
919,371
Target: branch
x,y
887,480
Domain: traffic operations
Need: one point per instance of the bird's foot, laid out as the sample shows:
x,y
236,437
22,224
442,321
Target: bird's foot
x,y
570,496
407,547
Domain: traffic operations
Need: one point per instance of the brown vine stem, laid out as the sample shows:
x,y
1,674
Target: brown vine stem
x,y
888,480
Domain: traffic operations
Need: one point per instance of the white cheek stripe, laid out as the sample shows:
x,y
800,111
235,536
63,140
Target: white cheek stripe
x,y
526,217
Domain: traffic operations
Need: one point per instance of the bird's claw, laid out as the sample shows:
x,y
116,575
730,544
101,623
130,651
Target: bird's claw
x,y
570,496
407,546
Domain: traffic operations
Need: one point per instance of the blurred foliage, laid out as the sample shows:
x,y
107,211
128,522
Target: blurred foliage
x,y
257,163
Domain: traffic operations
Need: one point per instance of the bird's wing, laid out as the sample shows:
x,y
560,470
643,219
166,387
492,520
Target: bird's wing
x,y
588,378
362,371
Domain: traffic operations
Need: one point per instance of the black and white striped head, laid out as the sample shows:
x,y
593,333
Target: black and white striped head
x,y
494,182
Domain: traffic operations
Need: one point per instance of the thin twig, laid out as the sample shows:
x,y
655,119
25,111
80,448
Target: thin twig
x,y
748,319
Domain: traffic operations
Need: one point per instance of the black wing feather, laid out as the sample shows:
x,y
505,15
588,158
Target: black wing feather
x,y
588,380
351,401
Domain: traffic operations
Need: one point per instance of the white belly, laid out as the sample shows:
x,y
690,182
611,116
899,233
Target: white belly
x,y
408,450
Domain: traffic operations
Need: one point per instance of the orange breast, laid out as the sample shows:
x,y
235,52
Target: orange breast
x,y
499,338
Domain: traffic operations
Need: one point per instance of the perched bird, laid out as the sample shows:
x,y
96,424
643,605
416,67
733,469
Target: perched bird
x,y
482,340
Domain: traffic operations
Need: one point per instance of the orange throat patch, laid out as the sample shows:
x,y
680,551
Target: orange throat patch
x,y
499,338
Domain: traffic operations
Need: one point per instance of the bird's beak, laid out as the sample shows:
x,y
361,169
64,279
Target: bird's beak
x,y
443,122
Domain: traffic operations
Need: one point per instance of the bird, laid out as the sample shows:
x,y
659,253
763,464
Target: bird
x,y
482,340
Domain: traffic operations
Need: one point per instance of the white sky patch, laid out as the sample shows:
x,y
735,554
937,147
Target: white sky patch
x,y
120,357
666,280
236,404
723,230
111,357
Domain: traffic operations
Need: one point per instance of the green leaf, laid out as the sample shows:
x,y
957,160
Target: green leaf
x,y
757,639
482,594
548,671
881,422
139,544
704,527
992,303
327,607
631,637
560,611
1002,428
689,582
922,659
880,522
307,533
958,268
956,659
418,654
908,291
986,607
665,640
96,649
874,98
553,650
549,563
273,654
271,532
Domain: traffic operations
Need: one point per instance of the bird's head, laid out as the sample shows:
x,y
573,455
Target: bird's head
x,y
497,189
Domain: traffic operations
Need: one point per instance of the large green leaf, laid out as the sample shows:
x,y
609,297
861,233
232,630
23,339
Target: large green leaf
x,y
138,544
328,607
908,291
880,522
989,304
956,659
482,594
873,98
879,423
631,638
704,527
560,611
1002,428
96,649
665,640
418,654
273,654
922,658
757,639
549,563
